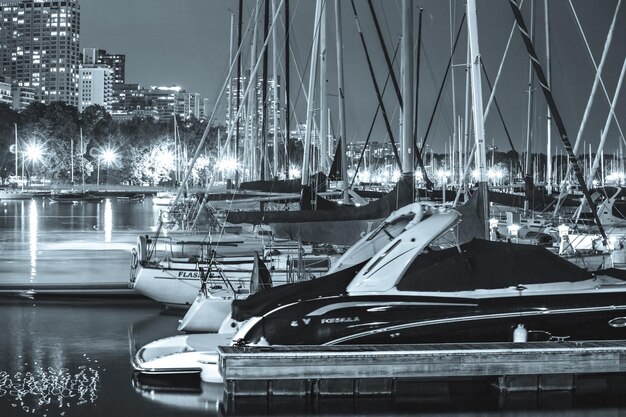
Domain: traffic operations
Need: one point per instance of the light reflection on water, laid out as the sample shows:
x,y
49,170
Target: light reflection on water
x,y
32,237
48,242
48,389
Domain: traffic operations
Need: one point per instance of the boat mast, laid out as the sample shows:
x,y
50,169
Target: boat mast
x,y
323,128
548,175
343,146
230,81
529,109
275,100
264,124
287,100
309,111
406,74
82,161
452,17
477,102
238,88
250,154
17,155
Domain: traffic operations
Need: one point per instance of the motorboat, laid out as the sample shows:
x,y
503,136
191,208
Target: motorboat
x,y
197,353
209,309
415,291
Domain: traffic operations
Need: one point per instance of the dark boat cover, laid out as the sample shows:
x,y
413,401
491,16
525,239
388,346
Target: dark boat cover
x,y
271,298
400,196
483,264
317,181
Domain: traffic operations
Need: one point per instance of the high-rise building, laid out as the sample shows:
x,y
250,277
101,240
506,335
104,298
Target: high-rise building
x,y
117,62
6,96
39,47
188,105
95,86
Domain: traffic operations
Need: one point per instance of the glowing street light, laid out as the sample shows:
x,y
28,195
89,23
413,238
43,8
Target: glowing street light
x,y
108,155
33,152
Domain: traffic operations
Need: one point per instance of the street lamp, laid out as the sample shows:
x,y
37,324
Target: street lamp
x,y
108,155
33,152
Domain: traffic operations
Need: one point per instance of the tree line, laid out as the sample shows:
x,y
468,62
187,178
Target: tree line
x,y
57,127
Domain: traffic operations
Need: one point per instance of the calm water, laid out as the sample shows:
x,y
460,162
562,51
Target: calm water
x,y
70,356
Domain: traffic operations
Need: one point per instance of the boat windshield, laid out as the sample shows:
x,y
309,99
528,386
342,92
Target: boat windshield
x,y
392,228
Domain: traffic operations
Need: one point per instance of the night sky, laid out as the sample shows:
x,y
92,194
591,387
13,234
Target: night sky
x,y
186,42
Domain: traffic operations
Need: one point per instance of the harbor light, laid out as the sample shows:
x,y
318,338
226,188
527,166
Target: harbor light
x,y
493,229
513,230
108,155
33,152
227,164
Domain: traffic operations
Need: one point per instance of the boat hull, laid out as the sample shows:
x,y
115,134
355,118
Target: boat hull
x,y
432,319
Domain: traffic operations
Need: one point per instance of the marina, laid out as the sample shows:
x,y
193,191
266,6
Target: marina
x,y
167,255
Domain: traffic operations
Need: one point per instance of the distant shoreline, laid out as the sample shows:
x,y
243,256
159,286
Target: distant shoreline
x,y
102,189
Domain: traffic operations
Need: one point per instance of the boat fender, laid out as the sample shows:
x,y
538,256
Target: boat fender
x,y
520,334
142,248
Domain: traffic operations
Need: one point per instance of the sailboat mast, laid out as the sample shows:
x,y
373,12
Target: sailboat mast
x,y
275,100
477,101
264,124
238,86
406,73
343,145
323,137
309,111
287,99
529,109
230,81
17,155
548,175
82,162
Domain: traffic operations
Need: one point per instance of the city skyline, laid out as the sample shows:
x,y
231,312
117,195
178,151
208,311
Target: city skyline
x,y
188,45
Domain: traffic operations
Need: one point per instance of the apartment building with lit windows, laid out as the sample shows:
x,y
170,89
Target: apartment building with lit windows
x,y
117,62
95,86
39,47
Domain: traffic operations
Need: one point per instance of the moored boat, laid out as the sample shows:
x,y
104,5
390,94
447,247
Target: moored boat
x,y
411,292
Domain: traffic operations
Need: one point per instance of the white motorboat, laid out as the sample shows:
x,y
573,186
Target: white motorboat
x,y
197,353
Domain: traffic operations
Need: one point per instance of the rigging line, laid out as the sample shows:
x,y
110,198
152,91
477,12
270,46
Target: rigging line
x,y
369,133
202,141
394,80
506,131
445,77
556,116
597,79
418,155
506,50
378,95
582,33
446,116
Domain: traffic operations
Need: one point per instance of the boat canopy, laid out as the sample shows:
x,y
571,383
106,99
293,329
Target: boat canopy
x,y
482,264
265,301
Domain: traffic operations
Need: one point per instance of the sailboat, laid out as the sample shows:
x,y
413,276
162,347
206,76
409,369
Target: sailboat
x,y
186,353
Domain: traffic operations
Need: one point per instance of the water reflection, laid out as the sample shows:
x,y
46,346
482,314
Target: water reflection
x,y
49,389
32,238
108,220
43,241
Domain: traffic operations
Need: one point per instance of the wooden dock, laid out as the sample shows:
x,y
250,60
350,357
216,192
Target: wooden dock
x,y
374,370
